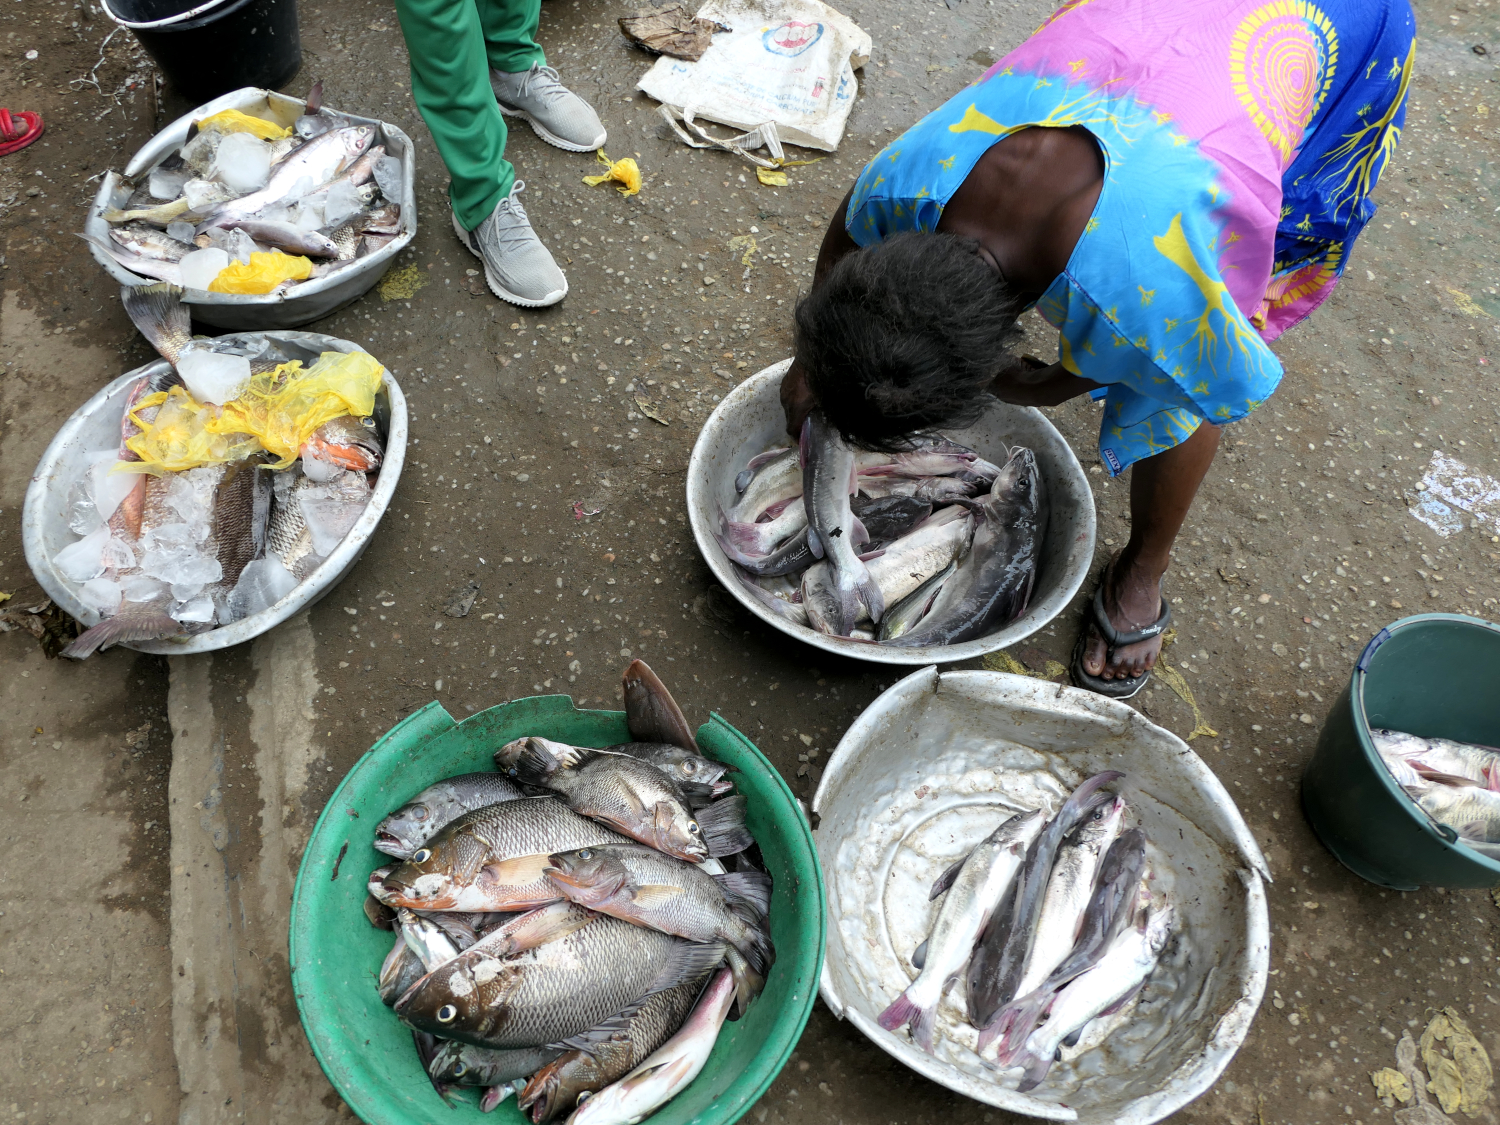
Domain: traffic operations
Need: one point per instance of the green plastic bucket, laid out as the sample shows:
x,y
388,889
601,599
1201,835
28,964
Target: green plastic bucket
x,y
336,954
1433,675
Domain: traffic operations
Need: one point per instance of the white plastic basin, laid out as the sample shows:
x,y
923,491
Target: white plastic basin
x,y
938,761
96,425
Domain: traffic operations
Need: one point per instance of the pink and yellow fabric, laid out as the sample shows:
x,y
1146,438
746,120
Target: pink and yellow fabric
x,y
1242,139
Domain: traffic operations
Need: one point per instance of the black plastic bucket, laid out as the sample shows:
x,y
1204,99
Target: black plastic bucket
x,y
1432,675
209,47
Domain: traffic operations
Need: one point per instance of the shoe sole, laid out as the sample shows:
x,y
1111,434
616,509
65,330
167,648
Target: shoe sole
x,y
499,290
548,135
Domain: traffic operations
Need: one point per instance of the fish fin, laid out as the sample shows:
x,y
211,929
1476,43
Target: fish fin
x,y
654,896
871,555
545,924
748,984
1457,781
754,887
945,880
509,754
804,442
537,763
315,97
901,1011
723,826
650,711
870,594
858,533
687,960
158,312
814,544
724,537
756,948
1015,1023
617,1026
742,480
147,625
1036,1068
919,956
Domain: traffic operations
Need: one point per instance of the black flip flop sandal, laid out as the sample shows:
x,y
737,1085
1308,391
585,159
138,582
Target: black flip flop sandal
x,y
1115,689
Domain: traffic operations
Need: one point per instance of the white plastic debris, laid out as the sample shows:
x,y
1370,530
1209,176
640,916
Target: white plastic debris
x,y
211,376
262,584
201,267
342,202
80,561
167,185
242,162
102,595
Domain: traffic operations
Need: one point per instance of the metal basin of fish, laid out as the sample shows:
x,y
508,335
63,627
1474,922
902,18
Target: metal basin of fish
x,y
305,302
96,425
367,1053
928,770
750,419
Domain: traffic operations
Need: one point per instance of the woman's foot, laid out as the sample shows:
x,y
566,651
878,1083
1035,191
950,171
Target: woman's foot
x,y
1132,599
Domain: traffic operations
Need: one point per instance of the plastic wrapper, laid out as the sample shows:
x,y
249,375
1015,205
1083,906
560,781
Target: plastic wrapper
x,y
283,407
235,121
262,584
179,437
625,173
263,273
212,376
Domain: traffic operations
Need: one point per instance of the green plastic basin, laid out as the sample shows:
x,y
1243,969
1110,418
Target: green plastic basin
x,y
1432,675
336,954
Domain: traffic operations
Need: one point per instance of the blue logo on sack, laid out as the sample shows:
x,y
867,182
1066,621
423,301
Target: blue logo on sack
x,y
791,38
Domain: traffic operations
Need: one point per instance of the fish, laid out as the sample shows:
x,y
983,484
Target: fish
x,y
666,1071
650,711
1120,973
437,806
400,970
286,236
698,777
148,242
385,219
779,481
973,888
425,938
789,607
1479,764
1070,886
318,162
626,793
352,443
999,958
1470,810
755,464
641,885
161,215
928,456
898,571
906,613
492,858
937,491
555,990
833,531
155,268
288,535
994,582
780,546
747,543
464,1064
613,1049
159,314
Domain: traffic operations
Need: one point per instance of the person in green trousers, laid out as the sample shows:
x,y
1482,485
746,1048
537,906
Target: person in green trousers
x,y
472,63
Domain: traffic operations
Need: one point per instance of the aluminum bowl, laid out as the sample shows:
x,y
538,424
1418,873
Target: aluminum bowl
x,y
96,425
930,768
302,303
750,419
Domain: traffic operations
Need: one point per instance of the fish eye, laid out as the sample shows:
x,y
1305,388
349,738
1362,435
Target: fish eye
x,y
447,1013
419,812
460,1070
585,853
689,767
693,827
367,422
421,855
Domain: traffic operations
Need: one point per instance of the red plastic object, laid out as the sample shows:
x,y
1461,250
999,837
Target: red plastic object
x,y
18,129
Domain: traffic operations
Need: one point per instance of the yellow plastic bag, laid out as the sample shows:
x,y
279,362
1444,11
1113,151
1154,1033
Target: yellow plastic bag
x,y
233,121
263,273
283,407
624,172
180,438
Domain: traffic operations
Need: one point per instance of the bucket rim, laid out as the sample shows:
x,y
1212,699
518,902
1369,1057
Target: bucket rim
x,y
1441,833
168,21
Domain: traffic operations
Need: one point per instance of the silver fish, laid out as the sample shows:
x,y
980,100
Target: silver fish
x,y
464,1064
1470,810
148,242
400,970
169,272
993,584
777,482
286,236
786,604
437,806
909,611
832,530
974,888
317,162
1479,764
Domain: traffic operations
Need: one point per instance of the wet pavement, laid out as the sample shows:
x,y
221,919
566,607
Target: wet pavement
x,y
537,473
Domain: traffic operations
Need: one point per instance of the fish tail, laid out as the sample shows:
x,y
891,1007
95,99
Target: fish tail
x,y
1036,1068
732,538
753,887
157,310
143,625
748,983
903,1011
869,593
723,826
752,939
541,758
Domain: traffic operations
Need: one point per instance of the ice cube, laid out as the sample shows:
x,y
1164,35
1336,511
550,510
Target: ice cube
x,y
200,267
83,517
388,177
80,561
117,554
199,608
203,194
102,595
167,185
330,511
316,468
191,496
240,246
186,591
211,376
182,232
110,488
242,162
140,588
262,584
343,201
309,214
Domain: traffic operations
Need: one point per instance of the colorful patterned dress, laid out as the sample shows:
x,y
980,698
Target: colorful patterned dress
x,y
1241,142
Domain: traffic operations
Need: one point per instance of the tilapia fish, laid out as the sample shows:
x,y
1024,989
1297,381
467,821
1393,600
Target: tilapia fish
x,y
558,989
641,885
832,529
976,886
993,584
437,806
613,1049
464,1064
492,858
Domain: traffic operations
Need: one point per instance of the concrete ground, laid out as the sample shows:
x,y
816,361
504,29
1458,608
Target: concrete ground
x,y
135,994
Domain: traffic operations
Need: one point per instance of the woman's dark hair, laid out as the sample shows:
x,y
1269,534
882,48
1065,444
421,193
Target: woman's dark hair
x,y
904,336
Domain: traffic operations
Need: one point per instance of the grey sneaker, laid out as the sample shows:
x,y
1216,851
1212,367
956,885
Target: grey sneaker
x,y
516,264
557,115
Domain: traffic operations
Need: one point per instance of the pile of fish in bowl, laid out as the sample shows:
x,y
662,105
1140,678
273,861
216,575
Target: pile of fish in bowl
x,y
929,546
238,471
246,205
576,927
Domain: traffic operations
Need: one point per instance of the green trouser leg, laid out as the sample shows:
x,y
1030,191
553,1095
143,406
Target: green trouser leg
x,y
453,44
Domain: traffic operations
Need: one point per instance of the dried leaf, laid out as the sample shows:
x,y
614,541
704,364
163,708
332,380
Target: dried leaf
x,y
649,410
1005,662
670,30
